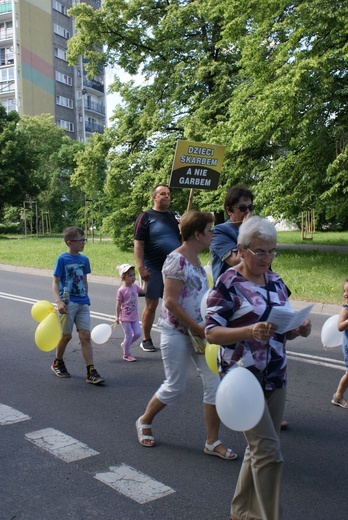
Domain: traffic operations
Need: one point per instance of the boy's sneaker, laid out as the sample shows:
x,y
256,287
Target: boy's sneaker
x,y
94,378
59,369
129,358
147,345
339,401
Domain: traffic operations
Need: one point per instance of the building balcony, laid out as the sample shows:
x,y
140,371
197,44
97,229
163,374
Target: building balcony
x,y
6,34
7,86
6,60
96,85
94,107
93,127
5,7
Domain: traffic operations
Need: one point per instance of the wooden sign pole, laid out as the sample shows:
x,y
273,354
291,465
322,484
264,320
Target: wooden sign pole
x,y
189,205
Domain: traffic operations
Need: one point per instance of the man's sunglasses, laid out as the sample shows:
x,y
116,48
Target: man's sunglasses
x,y
243,208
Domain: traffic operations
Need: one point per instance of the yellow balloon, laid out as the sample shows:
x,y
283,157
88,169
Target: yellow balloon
x,y
41,309
48,333
209,273
210,281
211,353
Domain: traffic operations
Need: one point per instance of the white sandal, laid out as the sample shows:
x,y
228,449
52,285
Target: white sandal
x,y
209,449
141,436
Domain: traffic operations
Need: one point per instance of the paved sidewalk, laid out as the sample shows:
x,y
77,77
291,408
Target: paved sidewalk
x,y
314,247
48,272
319,308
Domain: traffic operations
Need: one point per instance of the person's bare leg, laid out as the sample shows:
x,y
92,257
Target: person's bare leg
x,y
342,385
86,346
63,342
212,423
153,407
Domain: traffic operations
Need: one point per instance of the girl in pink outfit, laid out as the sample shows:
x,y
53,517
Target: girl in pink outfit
x,y
127,308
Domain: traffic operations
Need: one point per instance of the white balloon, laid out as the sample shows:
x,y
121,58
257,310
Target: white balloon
x,y
240,402
101,333
203,307
330,335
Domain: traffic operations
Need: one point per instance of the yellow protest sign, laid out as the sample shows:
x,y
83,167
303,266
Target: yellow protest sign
x,y
196,165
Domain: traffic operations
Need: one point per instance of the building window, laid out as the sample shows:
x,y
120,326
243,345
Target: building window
x,y
60,53
6,30
67,125
9,104
6,56
63,78
64,102
60,7
61,31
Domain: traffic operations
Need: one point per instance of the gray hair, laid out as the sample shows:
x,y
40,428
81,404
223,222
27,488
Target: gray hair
x,y
256,227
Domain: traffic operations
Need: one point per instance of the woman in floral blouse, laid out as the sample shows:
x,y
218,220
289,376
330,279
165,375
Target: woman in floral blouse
x,y
185,283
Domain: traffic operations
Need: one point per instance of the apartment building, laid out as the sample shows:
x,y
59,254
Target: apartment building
x,y
35,77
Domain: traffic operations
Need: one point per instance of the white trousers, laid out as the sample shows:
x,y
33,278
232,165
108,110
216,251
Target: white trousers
x,y
177,353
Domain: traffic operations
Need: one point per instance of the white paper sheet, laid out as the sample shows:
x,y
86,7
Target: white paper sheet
x,y
288,320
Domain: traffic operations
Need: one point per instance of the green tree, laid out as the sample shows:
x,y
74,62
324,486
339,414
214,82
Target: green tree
x,y
16,160
36,163
268,80
187,81
288,116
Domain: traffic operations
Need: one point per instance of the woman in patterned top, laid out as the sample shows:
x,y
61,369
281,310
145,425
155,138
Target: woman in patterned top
x,y
237,310
185,283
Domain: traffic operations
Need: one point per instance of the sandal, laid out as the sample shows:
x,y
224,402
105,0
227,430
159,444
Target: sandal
x,y
209,449
141,436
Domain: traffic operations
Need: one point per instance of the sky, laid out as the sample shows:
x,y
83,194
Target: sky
x,y
113,99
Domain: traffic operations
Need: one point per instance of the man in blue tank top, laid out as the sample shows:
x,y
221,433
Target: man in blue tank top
x,y
156,234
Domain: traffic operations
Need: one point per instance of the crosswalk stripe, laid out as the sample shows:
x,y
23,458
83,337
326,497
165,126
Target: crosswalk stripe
x,y
132,483
9,415
60,445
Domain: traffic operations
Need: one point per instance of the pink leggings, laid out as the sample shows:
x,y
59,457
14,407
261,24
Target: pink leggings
x,y
132,332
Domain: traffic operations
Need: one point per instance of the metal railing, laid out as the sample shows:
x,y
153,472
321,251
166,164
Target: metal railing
x,y
95,107
5,7
6,34
94,84
94,127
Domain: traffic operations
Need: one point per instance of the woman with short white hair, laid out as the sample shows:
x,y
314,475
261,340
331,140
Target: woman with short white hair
x,y
252,289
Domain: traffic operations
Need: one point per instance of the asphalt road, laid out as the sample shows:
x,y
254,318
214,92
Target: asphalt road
x,y
175,480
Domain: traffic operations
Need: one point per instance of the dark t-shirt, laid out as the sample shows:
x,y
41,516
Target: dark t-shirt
x,y
159,230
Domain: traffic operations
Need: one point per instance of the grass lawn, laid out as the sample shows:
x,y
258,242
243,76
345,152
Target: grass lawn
x,y
311,275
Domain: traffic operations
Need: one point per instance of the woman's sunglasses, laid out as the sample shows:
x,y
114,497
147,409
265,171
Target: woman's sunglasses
x,y
243,208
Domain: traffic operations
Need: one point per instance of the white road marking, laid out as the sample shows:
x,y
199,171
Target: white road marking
x,y
31,301
132,483
316,360
60,445
9,415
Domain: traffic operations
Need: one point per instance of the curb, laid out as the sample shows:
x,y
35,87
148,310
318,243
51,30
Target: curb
x,y
319,308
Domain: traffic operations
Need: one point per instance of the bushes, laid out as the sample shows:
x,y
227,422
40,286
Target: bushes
x,y
11,228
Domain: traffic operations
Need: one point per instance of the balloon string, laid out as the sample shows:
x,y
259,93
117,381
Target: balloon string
x,y
241,361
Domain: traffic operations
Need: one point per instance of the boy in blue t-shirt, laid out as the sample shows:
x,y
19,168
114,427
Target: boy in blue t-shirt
x,y
70,290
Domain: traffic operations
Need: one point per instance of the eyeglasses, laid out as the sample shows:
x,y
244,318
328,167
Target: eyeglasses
x,y
244,208
263,255
81,240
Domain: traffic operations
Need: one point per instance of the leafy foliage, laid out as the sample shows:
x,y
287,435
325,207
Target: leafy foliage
x,y
36,162
268,80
